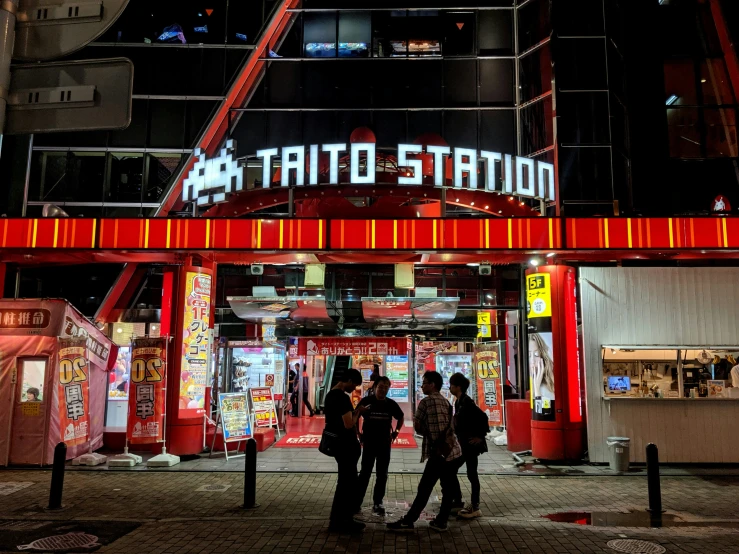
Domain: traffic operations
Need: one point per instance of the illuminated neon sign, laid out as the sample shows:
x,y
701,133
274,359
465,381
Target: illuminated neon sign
x,y
212,180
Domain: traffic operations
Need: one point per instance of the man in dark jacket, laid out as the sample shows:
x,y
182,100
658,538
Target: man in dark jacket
x,y
471,426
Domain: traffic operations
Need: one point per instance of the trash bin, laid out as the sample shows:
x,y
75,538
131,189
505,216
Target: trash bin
x,y
619,447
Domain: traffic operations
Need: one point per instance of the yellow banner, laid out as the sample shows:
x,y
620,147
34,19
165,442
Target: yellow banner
x,y
538,295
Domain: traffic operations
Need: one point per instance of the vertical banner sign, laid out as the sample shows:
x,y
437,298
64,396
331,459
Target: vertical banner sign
x,y
146,391
484,329
195,345
490,382
74,391
264,407
541,353
234,416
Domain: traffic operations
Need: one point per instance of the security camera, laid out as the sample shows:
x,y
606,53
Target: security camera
x,y
257,269
486,269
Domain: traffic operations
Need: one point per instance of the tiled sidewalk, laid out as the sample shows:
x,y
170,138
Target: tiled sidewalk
x,y
175,516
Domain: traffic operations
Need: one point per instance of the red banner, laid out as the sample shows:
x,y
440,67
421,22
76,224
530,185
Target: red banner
x,y
352,346
147,390
74,391
489,382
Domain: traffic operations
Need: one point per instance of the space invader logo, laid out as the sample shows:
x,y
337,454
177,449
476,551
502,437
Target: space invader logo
x,y
211,181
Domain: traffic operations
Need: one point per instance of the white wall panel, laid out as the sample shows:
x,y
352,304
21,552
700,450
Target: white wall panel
x,y
661,307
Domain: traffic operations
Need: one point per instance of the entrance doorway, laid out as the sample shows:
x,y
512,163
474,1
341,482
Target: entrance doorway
x,y
30,402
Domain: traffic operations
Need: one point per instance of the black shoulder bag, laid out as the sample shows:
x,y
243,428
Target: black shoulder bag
x,y
329,443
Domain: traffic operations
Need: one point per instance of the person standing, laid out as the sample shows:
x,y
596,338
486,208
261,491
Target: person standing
x,y
374,377
377,436
291,378
441,451
304,386
341,419
471,427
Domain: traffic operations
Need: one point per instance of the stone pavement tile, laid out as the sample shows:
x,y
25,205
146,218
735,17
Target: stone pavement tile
x,y
294,511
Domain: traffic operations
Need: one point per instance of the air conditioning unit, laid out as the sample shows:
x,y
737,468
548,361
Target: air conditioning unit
x,y
257,269
486,269
315,275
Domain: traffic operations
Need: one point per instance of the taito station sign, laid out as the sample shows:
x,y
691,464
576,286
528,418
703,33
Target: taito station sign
x,y
212,180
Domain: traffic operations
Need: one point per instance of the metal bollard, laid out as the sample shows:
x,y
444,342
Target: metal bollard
x,y
57,477
250,476
653,484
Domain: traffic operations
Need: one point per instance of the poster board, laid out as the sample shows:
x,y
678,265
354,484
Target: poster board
x,y
234,415
263,406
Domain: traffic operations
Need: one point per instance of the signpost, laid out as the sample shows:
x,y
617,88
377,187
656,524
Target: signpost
x,y
48,30
41,30
72,96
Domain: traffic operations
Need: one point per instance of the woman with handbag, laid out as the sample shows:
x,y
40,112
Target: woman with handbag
x,y
471,426
339,440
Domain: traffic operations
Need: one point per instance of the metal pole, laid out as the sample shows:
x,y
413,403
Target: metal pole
x,y
653,484
57,476
250,475
8,9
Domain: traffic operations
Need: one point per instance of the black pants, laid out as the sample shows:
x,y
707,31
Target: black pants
x,y
437,469
293,404
471,458
374,452
344,504
306,403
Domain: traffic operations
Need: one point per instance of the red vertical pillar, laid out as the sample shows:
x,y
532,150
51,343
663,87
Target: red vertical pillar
x,y
553,363
186,318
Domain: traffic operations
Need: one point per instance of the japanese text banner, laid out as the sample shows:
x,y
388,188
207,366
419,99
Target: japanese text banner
x,y
349,346
146,392
490,382
74,391
195,345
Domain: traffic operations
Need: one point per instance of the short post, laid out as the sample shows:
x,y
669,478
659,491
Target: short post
x,y
250,475
57,476
653,484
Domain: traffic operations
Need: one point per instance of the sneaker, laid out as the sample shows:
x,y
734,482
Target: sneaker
x,y
438,526
470,511
346,528
400,525
379,509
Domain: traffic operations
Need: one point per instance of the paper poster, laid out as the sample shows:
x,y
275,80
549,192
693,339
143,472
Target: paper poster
x,y
195,345
541,349
74,387
490,382
146,398
234,416
263,405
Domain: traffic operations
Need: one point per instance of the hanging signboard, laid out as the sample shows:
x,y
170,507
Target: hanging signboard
x,y
195,345
74,391
234,416
146,393
352,346
541,351
490,382
263,405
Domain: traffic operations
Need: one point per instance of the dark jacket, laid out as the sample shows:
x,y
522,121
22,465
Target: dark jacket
x,y
470,422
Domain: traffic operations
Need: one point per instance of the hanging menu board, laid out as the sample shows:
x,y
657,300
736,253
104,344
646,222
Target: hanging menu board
x,y
234,416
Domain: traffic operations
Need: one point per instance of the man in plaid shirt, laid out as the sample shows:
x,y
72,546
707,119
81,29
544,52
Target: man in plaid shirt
x,y
442,454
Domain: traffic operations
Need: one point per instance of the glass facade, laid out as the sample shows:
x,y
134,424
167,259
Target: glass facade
x,y
630,100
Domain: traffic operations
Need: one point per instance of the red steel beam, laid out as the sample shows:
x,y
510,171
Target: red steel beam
x,y
123,283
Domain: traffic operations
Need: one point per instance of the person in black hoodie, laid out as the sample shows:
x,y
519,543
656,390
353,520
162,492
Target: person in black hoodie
x,y
471,426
